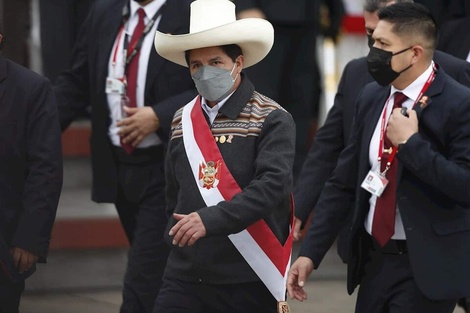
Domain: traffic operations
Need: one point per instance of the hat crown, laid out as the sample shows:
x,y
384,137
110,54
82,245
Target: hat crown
x,y
208,14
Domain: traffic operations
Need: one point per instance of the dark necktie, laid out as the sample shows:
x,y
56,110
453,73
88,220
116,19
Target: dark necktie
x,y
383,224
132,68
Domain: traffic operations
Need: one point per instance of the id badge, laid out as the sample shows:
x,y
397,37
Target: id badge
x,y
114,85
375,183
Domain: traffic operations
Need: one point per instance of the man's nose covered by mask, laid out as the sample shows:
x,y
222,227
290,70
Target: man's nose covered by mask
x,y
214,83
379,63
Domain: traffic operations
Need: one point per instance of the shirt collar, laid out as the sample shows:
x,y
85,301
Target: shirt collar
x,y
219,104
150,9
413,90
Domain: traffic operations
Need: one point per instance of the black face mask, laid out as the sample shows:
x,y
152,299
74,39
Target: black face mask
x,y
370,41
379,63
139,1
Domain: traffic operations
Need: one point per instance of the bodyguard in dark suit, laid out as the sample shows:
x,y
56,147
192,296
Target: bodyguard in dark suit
x,y
30,176
332,137
414,257
127,142
454,38
290,74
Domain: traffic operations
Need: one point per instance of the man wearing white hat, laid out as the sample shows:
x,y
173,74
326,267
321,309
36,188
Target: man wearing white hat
x,y
228,172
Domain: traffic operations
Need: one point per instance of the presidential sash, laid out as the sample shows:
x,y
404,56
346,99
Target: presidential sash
x,y
257,244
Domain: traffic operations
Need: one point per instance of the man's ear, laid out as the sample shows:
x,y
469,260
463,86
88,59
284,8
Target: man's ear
x,y
240,61
418,53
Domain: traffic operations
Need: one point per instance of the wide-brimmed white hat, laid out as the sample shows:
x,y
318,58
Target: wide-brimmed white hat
x,y
213,23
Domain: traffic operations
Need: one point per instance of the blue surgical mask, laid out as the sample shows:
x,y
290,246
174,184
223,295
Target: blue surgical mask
x,y
214,83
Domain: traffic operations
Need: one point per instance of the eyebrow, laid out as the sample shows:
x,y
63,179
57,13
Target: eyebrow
x,y
217,58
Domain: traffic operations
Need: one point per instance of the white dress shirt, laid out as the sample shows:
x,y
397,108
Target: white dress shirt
x,y
412,92
117,71
212,112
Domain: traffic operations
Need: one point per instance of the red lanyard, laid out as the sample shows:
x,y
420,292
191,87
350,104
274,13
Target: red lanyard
x,y
382,127
129,54
117,46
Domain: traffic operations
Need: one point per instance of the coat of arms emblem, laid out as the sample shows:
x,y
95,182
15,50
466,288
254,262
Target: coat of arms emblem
x,y
209,174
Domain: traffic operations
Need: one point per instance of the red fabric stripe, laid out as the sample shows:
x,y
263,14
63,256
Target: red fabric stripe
x,y
354,24
228,187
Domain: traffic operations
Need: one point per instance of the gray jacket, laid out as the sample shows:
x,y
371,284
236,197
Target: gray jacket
x,y
259,155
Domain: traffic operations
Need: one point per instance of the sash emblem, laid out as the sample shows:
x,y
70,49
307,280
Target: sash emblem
x,y
209,175
283,307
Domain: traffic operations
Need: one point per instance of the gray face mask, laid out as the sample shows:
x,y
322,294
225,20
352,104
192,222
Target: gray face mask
x,y
214,83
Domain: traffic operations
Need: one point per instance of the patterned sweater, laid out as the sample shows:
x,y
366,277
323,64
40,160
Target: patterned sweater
x,y
256,138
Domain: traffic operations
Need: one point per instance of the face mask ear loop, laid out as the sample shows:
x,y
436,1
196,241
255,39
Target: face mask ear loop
x,y
231,72
402,51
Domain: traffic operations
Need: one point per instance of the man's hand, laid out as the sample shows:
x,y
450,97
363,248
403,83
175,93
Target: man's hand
x,y
297,224
141,122
251,13
400,128
22,259
188,229
298,274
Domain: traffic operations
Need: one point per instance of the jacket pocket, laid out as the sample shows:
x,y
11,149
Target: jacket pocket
x,y
451,227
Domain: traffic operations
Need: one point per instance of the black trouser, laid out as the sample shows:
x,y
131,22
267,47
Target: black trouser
x,y
184,297
388,285
141,208
10,294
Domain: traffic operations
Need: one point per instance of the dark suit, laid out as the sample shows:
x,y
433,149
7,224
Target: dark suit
x,y
289,74
432,192
30,170
60,22
134,183
332,137
454,38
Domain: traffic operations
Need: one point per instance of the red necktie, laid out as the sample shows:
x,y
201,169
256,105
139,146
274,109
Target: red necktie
x,y
132,68
383,224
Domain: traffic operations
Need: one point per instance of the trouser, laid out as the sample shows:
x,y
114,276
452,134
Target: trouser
x,y
10,294
388,285
178,296
141,207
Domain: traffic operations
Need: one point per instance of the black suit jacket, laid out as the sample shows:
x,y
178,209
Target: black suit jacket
x,y
432,191
332,137
30,159
454,38
168,86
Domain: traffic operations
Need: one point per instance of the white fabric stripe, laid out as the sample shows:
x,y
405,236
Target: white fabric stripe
x,y
243,241
260,263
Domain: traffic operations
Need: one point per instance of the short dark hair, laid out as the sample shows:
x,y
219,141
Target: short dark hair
x,y
233,51
375,5
412,20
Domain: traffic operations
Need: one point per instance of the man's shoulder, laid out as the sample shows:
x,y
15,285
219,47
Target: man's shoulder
x,y
444,59
263,105
22,76
355,73
106,5
359,63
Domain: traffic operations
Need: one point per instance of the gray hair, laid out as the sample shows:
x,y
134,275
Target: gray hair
x,y
374,5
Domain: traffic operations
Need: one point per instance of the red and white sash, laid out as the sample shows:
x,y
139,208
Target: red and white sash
x,y
257,244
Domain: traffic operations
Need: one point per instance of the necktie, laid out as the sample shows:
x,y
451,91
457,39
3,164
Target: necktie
x,y
383,224
133,68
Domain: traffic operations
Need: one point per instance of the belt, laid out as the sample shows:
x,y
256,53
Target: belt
x,y
392,247
151,154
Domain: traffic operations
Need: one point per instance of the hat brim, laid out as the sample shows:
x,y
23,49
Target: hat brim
x,y
254,36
